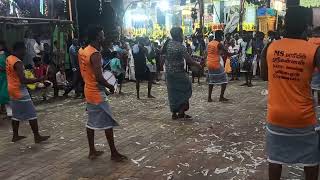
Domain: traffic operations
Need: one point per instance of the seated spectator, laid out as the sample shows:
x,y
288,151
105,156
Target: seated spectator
x,y
61,78
117,69
28,72
39,70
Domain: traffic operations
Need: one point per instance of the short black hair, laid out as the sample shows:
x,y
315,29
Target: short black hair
x,y
59,67
93,32
114,54
176,33
218,34
28,67
36,59
211,38
18,46
297,20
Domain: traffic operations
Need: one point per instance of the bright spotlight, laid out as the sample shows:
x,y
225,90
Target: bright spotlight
x,y
163,5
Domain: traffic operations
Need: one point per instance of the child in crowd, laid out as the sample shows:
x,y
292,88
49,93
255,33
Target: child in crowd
x,y
61,78
116,69
30,73
196,72
40,70
233,53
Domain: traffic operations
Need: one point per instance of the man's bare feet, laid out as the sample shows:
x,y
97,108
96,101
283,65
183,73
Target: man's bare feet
x,y
117,157
18,138
222,99
185,117
95,154
210,100
151,97
39,139
174,116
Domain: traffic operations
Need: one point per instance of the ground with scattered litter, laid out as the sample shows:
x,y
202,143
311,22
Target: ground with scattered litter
x,y
225,141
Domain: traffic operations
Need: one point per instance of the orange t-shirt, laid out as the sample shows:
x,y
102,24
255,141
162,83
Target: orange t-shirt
x,y
315,40
14,84
213,59
290,69
91,88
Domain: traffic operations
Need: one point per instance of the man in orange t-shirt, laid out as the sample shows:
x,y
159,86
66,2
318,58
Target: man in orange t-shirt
x,y
20,100
292,127
99,111
216,73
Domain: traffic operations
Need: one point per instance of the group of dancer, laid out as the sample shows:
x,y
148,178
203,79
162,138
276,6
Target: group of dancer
x,y
292,136
99,113
293,132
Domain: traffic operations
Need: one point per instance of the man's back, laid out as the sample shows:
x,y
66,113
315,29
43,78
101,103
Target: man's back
x,y
290,69
213,59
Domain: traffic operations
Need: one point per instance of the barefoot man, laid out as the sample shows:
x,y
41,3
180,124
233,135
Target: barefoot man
x,y
216,74
99,111
20,100
288,64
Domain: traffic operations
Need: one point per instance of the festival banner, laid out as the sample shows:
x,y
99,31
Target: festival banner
x,y
310,3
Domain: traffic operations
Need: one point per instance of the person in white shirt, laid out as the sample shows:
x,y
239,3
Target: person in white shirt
x,y
37,47
61,78
234,62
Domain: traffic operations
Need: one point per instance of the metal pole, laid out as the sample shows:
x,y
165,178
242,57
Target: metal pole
x,y
77,16
70,17
5,18
51,41
201,8
241,13
5,31
51,9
